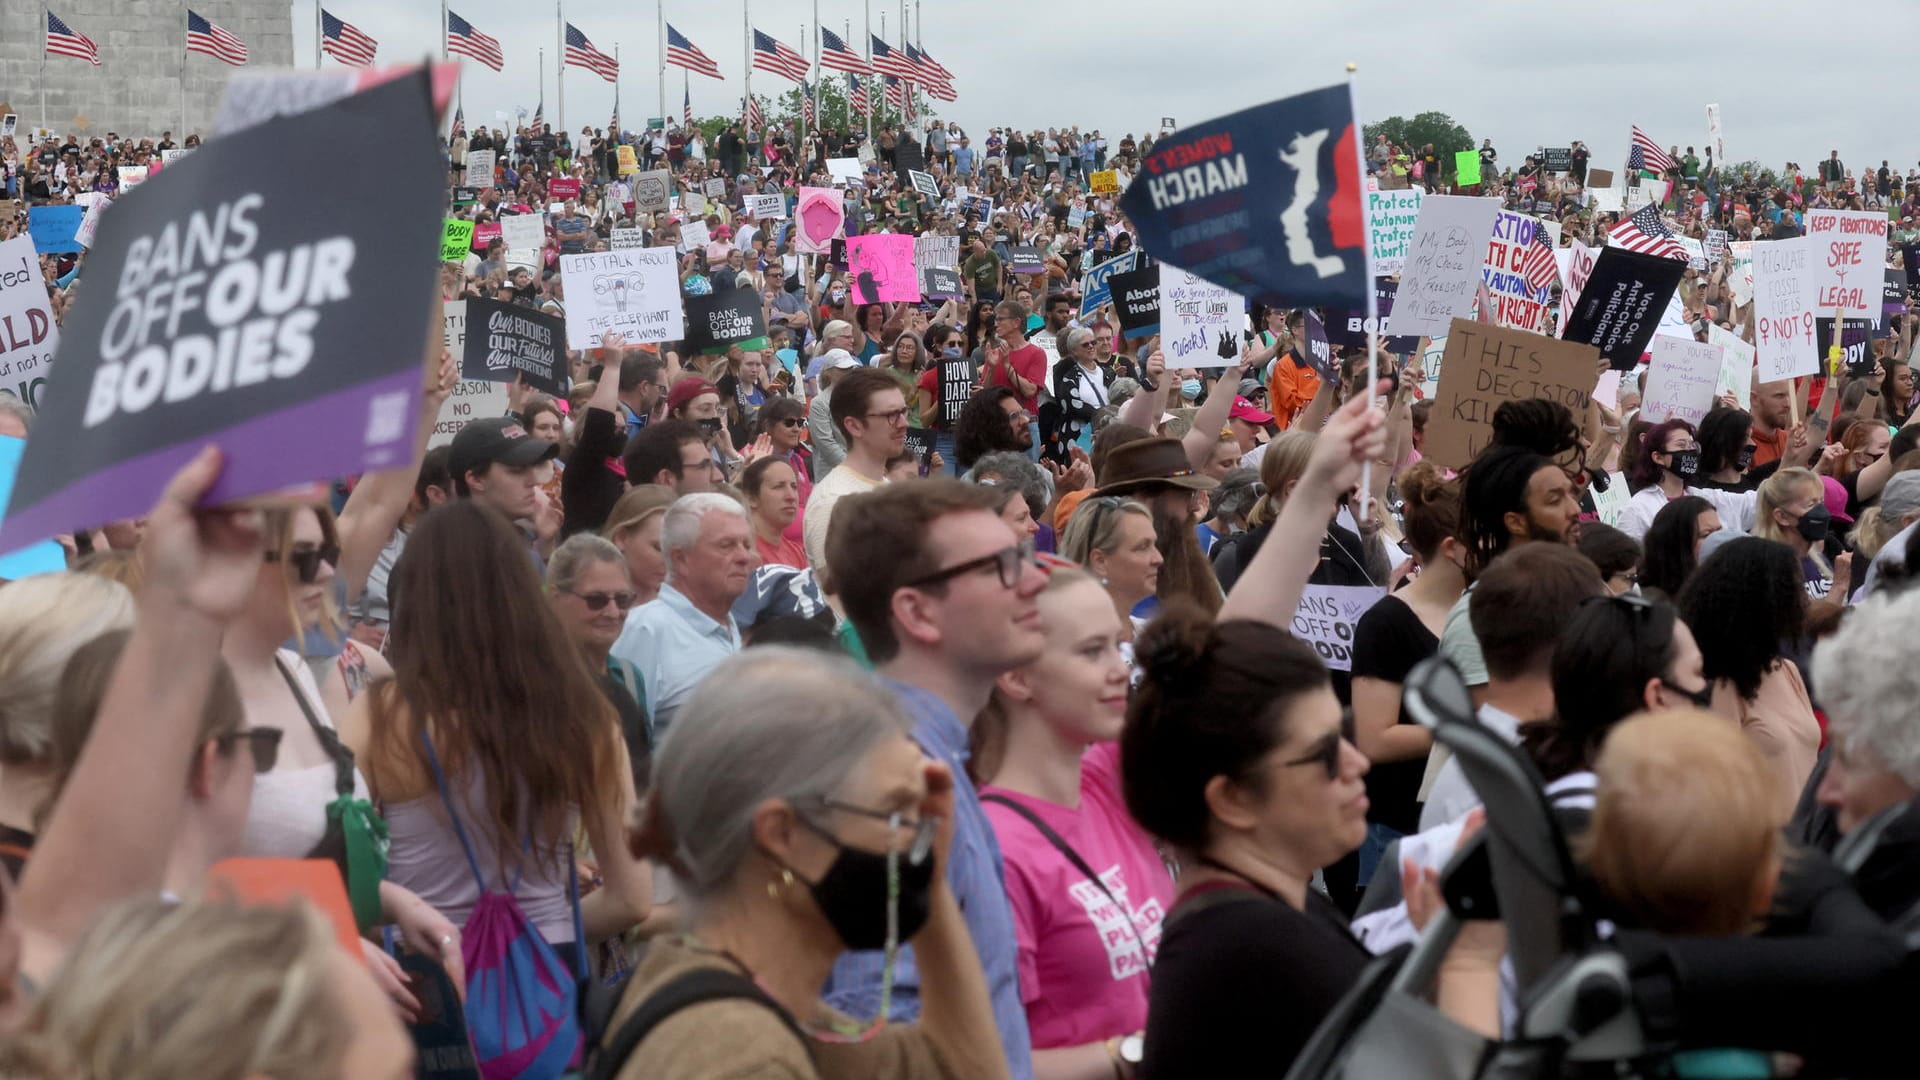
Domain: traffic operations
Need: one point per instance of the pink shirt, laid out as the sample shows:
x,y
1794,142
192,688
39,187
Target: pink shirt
x,y
1082,978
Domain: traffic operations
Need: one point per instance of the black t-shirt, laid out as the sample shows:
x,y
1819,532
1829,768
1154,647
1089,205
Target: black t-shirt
x,y
1387,642
1240,986
589,487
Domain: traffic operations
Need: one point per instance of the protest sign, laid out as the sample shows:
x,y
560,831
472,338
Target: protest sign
x,y
957,378
1136,300
766,207
1579,267
1599,178
1025,259
1466,167
625,161
1638,196
53,228
636,292
1076,217
1610,505
1715,247
1104,182
1199,321
1682,380
524,232
924,183
1443,266
131,176
1783,275
837,253
1557,159
1350,328
1621,304
456,240
940,283
480,168
716,188
28,332
908,157
559,189
90,223
1095,283
471,398
820,217
1516,303
936,251
1849,251
844,169
652,191
43,557
1893,296
1714,140
246,299
1854,336
724,318
1319,350
1736,364
1486,366
694,235
880,268
623,239
979,206
465,196
1696,252
9,125
1167,123
920,443
1327,617
1391,218
1607,200
1267,203
693,202
505,341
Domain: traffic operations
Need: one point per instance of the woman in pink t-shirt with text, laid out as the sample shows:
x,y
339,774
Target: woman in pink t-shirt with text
x,y
1087,885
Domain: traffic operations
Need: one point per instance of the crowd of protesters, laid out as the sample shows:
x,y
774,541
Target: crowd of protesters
x,y
827,722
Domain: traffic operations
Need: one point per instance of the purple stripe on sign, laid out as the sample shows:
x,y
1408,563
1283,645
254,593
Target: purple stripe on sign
x,y
340,434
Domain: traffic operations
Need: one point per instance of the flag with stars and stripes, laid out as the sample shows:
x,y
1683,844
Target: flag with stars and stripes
x,y
63,40
345,42
464,40
1647,156
939,70
857,95
806,104
686,102
684,53
207,37
1537,263
835,54
754,118
1644,232
888,62
459,121
581,53
777,57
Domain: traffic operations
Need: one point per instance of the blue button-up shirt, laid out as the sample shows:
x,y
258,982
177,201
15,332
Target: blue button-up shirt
x,y
674,644
976,876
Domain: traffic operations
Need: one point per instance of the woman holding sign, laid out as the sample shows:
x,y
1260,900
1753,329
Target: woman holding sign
x,y
1667,467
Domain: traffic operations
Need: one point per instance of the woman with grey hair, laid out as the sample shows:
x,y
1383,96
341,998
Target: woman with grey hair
x,y
1016,473
590,589
800,825
1080,383
1870,777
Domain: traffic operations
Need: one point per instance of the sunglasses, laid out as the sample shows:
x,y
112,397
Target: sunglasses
x,y
306,560
598,600
262,743
793,422
1326,752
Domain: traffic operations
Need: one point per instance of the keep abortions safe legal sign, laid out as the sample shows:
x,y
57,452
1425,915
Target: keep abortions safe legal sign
x,y
254,295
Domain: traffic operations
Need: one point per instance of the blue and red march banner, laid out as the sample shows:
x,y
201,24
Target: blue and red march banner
x,y
255,295
1268,202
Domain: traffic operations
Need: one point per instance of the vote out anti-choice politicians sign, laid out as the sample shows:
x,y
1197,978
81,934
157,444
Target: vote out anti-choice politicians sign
x,y
243,298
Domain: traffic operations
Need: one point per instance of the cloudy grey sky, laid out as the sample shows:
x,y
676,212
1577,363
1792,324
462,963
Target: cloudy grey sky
x,y
1523,76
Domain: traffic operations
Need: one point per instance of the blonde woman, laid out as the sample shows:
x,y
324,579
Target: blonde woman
x,y
1792,510
1113,538
634,528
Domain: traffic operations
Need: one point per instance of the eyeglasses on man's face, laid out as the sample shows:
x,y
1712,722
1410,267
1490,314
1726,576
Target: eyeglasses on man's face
x,y
1008,563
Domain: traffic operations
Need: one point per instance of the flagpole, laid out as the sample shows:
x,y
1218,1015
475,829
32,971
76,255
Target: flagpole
x,y
806,93
319,31
443,31
615,133
746,41
1373,299
868,7
183,93
560,71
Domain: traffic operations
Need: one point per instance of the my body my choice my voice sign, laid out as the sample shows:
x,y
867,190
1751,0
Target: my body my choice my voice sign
x,y
240,298
1266,202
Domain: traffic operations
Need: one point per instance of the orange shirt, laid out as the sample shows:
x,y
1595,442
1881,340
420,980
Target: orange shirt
x,y
1291,388
1770,448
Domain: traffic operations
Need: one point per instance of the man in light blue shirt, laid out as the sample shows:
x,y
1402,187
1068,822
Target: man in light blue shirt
x,y
942,594
676,638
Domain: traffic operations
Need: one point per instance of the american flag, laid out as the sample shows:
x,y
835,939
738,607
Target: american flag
x,y
754,118
464,40
778,58
835,54
806,104
897,94
888,62
1537,263
942,90
459,120
205,37
939,70
687,104
65,41
1647,155
581,53
686,54
344,42
540,115
1644,232
857,95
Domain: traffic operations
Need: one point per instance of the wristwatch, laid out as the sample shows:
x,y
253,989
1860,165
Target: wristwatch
x,y
1126,1052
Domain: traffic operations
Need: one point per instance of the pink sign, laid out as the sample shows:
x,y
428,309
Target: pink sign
x,y
558,189
819,219
882,270
485,234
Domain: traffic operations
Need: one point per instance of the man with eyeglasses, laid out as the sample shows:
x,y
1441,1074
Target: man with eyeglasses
x,y
1017,364
870,413
672,453
942,595
686,631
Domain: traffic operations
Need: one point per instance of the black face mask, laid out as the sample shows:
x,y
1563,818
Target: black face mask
x,y
1684,464
853,894
1813,524
1702,697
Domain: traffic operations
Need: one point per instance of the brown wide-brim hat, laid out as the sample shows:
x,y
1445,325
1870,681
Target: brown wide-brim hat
x,y
1149,462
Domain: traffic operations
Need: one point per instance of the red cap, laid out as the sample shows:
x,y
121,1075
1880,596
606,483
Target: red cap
x,y
687,389
1244,410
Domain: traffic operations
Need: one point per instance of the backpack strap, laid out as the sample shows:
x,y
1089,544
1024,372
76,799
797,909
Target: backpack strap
x,y
329,739
446,799
684,991
1065,849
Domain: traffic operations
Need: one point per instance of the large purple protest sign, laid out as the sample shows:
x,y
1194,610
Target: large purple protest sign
x,y
244,298
882,270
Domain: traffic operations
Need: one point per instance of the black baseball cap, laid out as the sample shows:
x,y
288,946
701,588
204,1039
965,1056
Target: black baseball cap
x,y
496,439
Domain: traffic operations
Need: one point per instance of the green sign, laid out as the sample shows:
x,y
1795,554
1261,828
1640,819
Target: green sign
x,y
1466,166
456,241
656,123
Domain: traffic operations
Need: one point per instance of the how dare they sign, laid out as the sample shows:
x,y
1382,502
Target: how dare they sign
x,y
241,297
